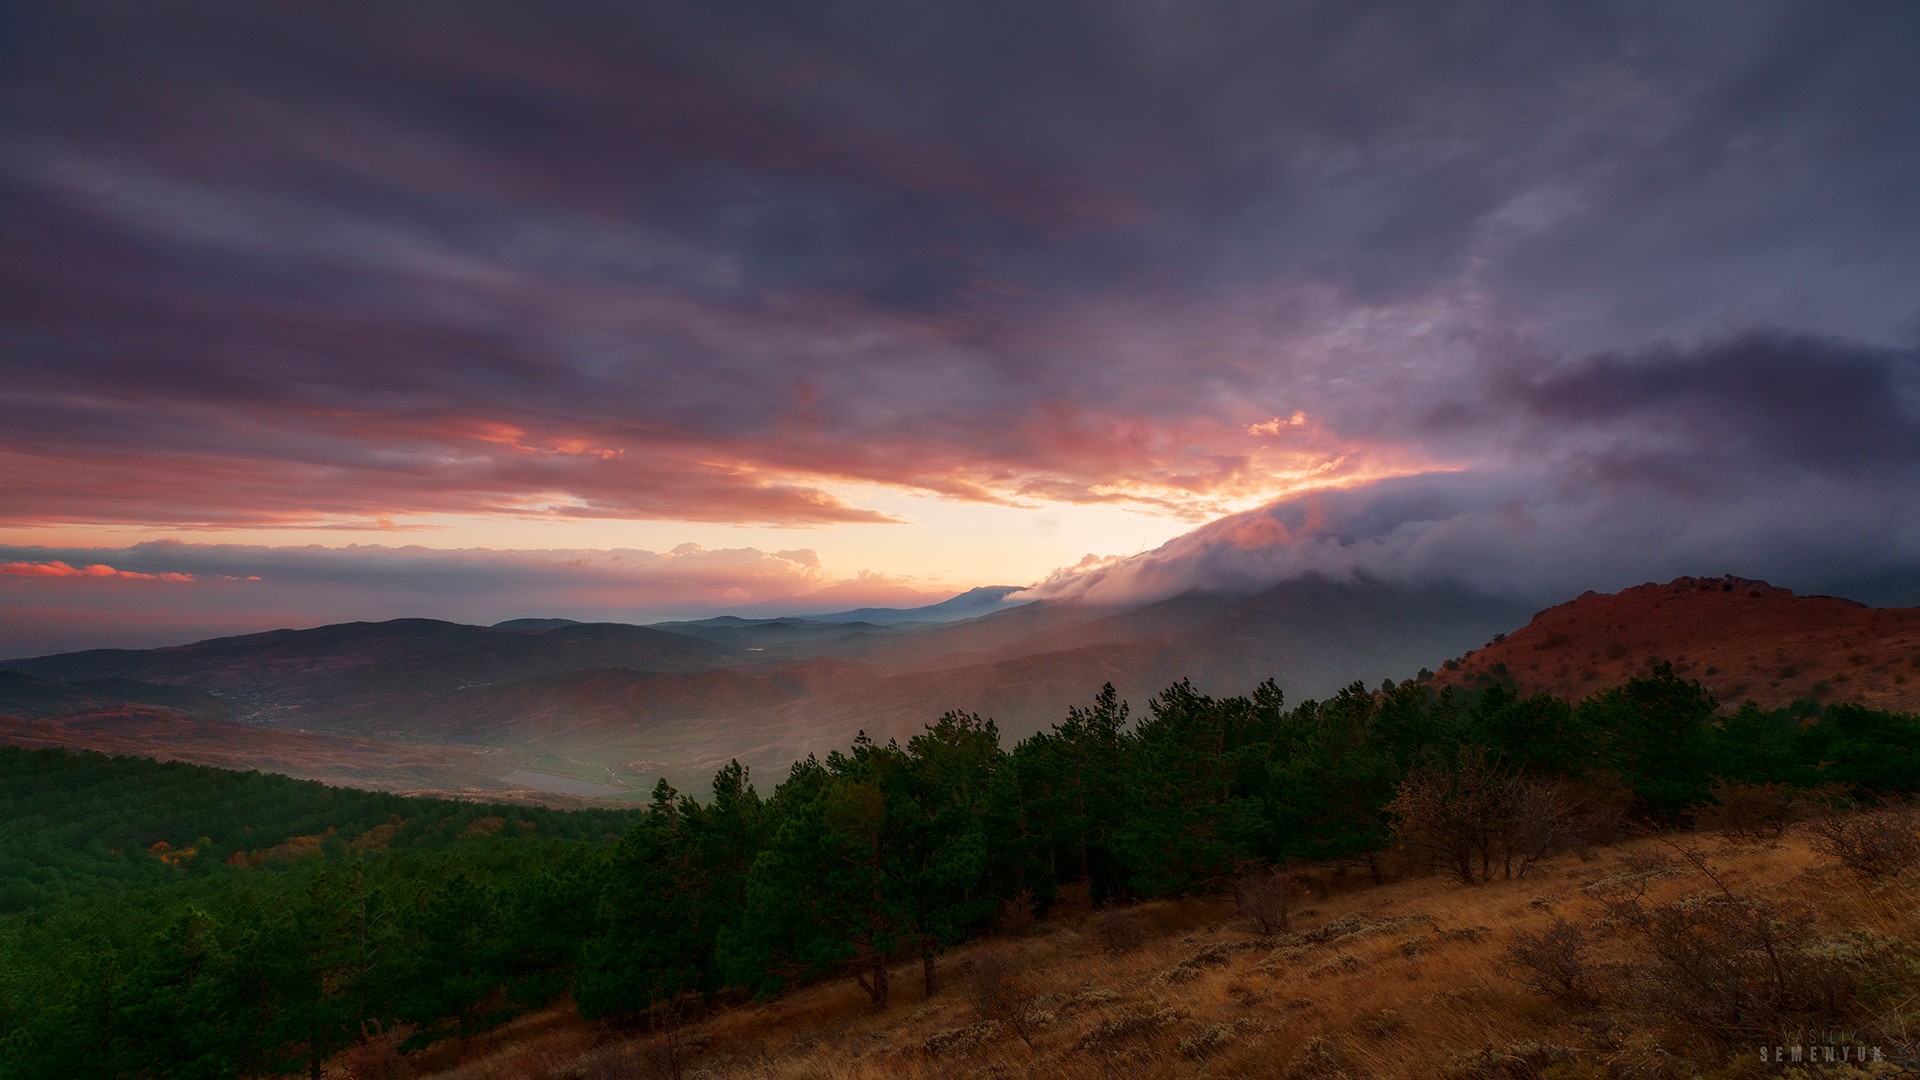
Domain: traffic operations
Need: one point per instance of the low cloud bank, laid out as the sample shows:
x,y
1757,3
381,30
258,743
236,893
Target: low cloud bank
x,y
1787,457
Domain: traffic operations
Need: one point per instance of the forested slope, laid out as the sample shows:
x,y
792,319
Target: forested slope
x,y
307,918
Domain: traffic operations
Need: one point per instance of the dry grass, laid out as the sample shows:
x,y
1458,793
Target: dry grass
x,y
1400,980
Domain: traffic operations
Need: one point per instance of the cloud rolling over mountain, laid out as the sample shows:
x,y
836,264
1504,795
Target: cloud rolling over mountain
x,y
1779,456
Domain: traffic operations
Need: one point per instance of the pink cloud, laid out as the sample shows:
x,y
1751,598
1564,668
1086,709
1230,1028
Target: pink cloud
x,y
601,468
48,569
58,569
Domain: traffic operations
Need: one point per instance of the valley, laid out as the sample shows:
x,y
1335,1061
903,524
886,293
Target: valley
x,y
551,709
619,706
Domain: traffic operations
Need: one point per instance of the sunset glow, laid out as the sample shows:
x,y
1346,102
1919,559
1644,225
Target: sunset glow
x,y
351,313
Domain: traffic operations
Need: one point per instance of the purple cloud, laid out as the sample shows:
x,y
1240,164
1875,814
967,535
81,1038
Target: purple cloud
x,y
317,267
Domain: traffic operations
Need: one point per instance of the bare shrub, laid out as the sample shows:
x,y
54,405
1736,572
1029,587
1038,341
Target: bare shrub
x,y
1443,815
1320,1059
1475,814
1312,884
377,1055
949,1040
1199,961
1072,902
1264,896
1878,844
1748,812
1596,811
1554,962
1733,967
1016,913
1001,992
1537,821
1519,1061
671,1042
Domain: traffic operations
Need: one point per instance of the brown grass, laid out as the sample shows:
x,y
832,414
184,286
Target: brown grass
x,y
1401,980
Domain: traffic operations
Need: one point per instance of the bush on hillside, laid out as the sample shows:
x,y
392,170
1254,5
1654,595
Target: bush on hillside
x,y
1878,844
1264,896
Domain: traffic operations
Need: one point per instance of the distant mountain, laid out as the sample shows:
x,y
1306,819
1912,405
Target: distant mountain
x,y
968,605
787,638
351,660
588,708
277,657
1744,640
534,624
24,695
621,703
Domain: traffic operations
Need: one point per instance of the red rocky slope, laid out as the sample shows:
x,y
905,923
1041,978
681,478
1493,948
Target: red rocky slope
x,y
1743,639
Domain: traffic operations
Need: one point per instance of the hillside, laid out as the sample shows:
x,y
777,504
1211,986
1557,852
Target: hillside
x,y
1413,980
1744,640
144,937
25,696
349,661
164,919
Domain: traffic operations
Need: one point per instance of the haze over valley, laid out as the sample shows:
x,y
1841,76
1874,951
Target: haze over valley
x,y
553,708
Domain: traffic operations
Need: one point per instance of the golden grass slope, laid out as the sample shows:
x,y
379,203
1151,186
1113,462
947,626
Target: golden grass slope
x,y
1401,980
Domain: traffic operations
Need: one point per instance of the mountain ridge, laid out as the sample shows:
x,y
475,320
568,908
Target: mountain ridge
x,y
679,700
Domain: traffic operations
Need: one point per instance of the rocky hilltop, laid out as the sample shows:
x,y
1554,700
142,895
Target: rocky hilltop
x,y
1743,639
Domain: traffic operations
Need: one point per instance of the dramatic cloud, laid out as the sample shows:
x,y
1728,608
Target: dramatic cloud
x,y
1489,274
1789,458
349,263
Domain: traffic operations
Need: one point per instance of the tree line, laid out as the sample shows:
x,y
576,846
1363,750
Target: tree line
x,y
878,855
894,852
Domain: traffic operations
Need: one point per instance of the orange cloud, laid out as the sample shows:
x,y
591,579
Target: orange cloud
x,y
58,569
1190,468
1276,425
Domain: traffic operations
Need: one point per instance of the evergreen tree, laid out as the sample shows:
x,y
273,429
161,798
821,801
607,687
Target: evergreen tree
x,y
820,899
673,881
936,831
1655,731
1330,782
1189,822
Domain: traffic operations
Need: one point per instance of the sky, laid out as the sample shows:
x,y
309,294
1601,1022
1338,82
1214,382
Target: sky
x,y
334,310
